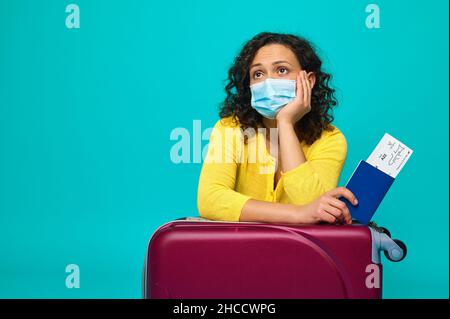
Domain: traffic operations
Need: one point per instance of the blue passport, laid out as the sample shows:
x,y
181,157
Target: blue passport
x,y
369,185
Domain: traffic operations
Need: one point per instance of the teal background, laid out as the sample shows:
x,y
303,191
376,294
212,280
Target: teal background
x,y
86,116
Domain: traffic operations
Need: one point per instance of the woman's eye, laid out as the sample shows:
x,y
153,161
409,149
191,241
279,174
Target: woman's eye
x,y
257,74
283,70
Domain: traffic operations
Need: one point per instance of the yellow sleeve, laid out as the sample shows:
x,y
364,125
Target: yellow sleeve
x,y
216,195
320,173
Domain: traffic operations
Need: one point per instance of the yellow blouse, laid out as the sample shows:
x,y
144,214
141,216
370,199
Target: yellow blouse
x,y
234,172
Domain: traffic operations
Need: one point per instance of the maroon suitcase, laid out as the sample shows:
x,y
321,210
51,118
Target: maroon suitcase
x,y
197,258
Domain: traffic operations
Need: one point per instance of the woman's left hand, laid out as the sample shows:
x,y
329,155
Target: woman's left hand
x,y
301,105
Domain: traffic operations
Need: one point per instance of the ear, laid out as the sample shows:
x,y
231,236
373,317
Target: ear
x,y
312,79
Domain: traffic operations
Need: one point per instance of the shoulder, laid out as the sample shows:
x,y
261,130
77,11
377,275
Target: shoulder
x,y
227,125
228,122
333,134
227,128
331,140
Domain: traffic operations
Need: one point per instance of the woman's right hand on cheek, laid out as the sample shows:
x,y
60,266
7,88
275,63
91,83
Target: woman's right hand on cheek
x,y
328,208
301,105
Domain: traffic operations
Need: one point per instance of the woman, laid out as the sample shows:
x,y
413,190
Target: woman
x,y
274,155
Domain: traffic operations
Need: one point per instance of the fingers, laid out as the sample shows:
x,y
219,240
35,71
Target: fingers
x,y
300,90
327,212
344,209
304,88
327,217
307,87
335,212
344,192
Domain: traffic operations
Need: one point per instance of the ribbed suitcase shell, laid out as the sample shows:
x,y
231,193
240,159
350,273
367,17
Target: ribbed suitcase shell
x,y
207,259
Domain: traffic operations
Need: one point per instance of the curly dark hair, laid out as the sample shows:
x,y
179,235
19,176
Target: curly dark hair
x,y
238,100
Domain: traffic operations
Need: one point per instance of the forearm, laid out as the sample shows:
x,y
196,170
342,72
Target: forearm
x,y
290,149
268,212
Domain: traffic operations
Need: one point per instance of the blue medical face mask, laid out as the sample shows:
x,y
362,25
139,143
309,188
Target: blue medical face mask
x,y
269,96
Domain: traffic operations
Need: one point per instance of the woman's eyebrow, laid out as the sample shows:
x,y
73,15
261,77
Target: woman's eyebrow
x,y
273,63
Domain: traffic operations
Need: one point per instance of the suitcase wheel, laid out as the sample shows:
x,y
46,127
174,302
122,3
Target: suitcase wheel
x,y
395,252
